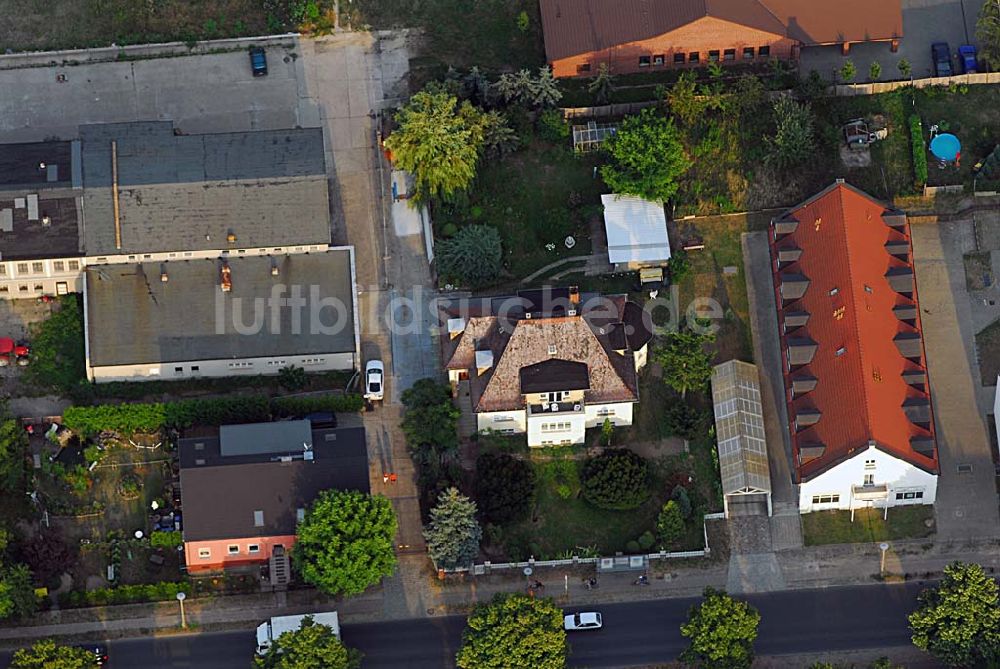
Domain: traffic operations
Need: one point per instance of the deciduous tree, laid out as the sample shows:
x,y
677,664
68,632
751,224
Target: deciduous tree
x,y
514,630
958,621
647,157
453,534
793,139
13,450
473,257
438,140
17,592
988,33
312,646
686,364
47,654
430,417
722,631
346,542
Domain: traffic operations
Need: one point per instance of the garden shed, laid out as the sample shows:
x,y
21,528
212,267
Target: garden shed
x,y
637,232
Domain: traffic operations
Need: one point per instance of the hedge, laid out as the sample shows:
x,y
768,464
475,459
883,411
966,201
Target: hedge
x,y
919,150
212,411
299,406
126,594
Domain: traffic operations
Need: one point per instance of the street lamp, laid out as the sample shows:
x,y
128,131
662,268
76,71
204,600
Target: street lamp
x,y
180,598
882,547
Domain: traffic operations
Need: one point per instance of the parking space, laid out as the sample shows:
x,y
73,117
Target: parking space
x,y
202,93
966,504
924,22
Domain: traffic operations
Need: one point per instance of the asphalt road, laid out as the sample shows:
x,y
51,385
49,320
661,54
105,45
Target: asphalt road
x,y
799,621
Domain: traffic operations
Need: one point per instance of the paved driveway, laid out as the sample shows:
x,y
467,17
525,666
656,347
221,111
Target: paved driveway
x,y
924,22
966,502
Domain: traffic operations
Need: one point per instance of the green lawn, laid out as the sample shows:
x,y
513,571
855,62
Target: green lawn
x,y
973,116
563,523
835,527
538,196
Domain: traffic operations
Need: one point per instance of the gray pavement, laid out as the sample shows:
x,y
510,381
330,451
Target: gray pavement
x,y
924,22
966,500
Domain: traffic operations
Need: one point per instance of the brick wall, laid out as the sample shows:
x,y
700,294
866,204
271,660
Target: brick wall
x,y
701,37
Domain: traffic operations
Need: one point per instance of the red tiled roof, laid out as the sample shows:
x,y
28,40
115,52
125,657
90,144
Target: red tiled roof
x,y
574,27
860,390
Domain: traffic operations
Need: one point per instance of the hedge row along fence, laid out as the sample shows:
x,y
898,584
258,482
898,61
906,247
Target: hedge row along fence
x,y
126,594
919,150
151,417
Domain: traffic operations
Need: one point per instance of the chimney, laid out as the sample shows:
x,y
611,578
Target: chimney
x,y
226,279
163,273
574,295
274,267
231,237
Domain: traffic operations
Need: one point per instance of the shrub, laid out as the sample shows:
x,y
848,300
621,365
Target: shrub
x,y
616,479
552,126
919,150
680,495
646,540
473,257
632,547
504,487
300,406
670,524
292,378
160,539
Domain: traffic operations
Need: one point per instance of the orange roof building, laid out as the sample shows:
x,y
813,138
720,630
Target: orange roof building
x,y
635,35
859,406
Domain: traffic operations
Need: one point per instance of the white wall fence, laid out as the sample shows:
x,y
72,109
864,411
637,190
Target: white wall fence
x,y
876,87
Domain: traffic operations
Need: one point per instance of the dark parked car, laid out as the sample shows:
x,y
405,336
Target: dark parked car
x,y
941,54
100,653
258,61
322,420
967,58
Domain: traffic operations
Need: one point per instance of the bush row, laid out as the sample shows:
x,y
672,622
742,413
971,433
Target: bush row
x,y
185,413
160,539
125,594
919,150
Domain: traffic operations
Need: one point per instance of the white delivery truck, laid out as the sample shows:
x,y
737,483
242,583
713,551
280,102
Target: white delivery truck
x,y
270,630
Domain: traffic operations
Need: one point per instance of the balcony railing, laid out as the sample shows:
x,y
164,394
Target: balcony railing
x,y
555,407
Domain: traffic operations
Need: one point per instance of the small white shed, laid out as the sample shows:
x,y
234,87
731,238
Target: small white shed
x,y
637,232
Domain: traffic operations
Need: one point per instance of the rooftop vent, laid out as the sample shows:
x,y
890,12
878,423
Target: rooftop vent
x,y
164,277
231,237
226,278
46,220
258,518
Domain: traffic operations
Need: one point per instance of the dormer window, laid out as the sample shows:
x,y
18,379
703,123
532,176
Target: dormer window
x,y
834,291
552,349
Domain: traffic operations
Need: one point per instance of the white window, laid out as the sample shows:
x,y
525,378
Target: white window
x,y
253,548
826,499
22,268
869,464
605,412
869,479
204,553
552,349
74,264
502,419
58,266
62,288
910,495
258,518
37,267
3,270
556,427
555,397
233,549
240,365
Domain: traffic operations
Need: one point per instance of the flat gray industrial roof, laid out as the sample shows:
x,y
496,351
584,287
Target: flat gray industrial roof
x,y
134,317
28,239
189,192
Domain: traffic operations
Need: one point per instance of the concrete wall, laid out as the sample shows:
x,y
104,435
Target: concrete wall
x,y
899,475
321,362
220,558
887,86
701,36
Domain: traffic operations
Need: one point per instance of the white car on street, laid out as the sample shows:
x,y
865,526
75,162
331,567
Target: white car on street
x,y
374,380
589,620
